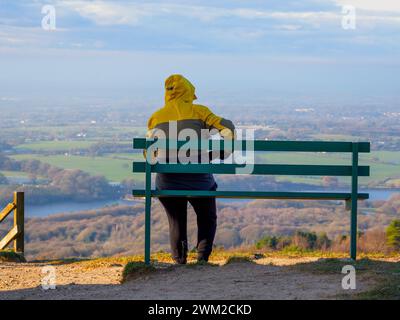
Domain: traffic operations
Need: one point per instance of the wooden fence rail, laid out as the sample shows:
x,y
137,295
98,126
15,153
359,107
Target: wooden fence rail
x,y
16,234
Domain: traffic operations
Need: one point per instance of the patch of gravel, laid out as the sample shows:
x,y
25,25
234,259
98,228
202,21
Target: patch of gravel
x,y
267,278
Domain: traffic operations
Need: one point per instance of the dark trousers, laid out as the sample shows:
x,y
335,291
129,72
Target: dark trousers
x,y
206,211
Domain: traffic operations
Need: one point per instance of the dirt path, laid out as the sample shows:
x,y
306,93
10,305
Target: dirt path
x,y
270,278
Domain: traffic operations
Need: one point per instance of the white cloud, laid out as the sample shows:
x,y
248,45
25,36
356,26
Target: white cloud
x,y
237,24
104,12
372,5
20,36
113,13
288,27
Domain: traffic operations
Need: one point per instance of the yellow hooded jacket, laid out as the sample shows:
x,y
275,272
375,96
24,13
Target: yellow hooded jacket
x,y
179,97
179,107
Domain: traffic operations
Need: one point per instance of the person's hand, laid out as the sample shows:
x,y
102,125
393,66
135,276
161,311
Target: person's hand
x,y
222,154
218,155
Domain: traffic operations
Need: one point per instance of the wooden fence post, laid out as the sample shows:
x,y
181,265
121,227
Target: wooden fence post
x,y
19,216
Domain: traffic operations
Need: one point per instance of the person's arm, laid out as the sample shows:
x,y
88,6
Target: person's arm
x,y
149,135
225,127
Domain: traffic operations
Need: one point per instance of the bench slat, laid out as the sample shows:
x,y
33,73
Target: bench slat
x,y
253,194
259,169
262,145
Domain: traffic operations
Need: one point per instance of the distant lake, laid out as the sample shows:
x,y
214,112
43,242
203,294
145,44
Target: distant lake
x,y
68,207
380,194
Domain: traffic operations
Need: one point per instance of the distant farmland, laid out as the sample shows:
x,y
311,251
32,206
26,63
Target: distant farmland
x,y
117,167
384,164
55,145
114,168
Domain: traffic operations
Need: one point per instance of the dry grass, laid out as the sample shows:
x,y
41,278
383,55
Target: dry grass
x,y
11,256
222,256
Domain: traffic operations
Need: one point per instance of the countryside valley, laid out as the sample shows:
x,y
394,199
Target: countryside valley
x,y
77,160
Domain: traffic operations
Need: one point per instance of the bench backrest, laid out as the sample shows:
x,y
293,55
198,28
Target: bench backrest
x,y
266,169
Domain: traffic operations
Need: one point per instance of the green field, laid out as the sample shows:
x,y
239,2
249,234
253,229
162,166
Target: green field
x,y
55,145
384,164
113,169
116,167
15,174
95,131
336,137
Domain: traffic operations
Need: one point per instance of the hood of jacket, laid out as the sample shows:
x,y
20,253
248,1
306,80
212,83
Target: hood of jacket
x,y
179,91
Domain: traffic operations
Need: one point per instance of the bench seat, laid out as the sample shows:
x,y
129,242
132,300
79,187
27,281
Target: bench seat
x,y
252,194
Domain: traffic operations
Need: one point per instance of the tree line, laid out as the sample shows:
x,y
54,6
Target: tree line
x,y
63,184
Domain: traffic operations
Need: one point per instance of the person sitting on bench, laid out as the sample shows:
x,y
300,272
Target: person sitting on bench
x,y
180,111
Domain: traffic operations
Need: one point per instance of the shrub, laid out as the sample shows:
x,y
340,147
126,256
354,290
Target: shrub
x,y
10,256
305,240
136,269
323,242
393,234
267,242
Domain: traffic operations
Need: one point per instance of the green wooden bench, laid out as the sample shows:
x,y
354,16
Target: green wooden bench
x,y
352,170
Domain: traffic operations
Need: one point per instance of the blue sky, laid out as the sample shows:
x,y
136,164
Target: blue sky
x,y
230,49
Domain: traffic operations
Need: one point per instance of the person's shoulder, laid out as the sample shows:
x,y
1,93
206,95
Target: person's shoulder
x,y
157,112
152,122
201,109
203,112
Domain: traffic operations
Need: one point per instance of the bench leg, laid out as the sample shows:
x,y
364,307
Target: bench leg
x,y
354,199
147,224
147,213
353,231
